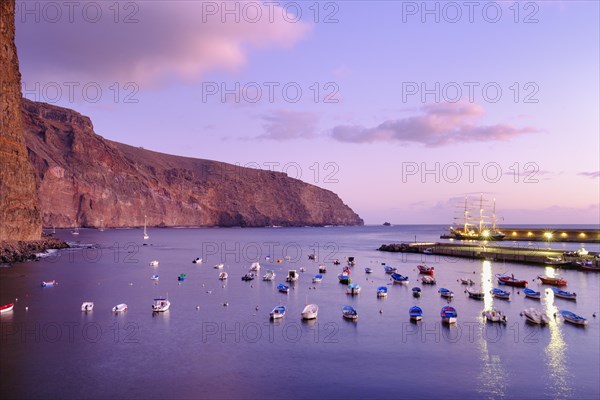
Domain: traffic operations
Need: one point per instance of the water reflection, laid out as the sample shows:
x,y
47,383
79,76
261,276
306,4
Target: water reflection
x,y
558,384
550,272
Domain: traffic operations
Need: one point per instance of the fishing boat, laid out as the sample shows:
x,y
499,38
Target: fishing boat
x,y
564,294
382,291
416,291
317,278
249,276
573,318
87,306
219,266
161,304
344,277
415,313
428,280
146,236
255,267
49,283
494,315
447,293
390,270
269,276
500,294
350,313
351,262
322,269
424,269
587,265
368,270
475,294
283,288
155,277
510,281
312,257
556,261
467,281
292,276
119,308
310,311
353,289
397,278
469,227
278,312
197,260
449,315
535,316
7,307
532,294
337,262
553,280
153,263
223,276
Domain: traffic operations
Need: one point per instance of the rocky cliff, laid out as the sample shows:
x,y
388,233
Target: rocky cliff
x,y
86,180
19,217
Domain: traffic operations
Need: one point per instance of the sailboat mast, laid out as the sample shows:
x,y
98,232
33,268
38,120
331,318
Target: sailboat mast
x,y
481,213
466,216
494,217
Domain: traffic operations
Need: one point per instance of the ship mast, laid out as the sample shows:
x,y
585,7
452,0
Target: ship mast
x,y
481,214
494,217
466,215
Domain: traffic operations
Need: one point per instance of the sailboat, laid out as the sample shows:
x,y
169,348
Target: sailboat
x,y
468,229
146,236
101,228
75,231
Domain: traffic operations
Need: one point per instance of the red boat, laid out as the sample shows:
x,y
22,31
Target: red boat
x,y
510,281
424,269
6,308
556,281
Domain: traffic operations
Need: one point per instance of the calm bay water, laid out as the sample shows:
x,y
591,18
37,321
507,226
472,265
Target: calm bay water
x,y
203,349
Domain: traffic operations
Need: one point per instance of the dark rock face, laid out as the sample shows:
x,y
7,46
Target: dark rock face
x,y
86,180
19,217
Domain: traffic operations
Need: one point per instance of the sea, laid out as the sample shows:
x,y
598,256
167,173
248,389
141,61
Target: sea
x,y
217,341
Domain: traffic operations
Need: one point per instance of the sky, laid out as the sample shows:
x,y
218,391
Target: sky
x,y
402,108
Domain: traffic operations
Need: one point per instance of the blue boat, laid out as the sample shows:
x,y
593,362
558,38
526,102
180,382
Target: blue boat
x,y
416,314
500,294
368,270
344,278
278,312
317,278
382,291
181,277
449,315
416,292
397,278
283,288
154,277
564,294
447,293
353,289
349,312
532,294
390,270
572,317
49,283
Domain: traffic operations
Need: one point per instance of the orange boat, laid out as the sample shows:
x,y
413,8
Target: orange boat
x,y
556,281
424,269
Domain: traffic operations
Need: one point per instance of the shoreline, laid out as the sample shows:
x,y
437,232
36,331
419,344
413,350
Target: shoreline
x,y
13,251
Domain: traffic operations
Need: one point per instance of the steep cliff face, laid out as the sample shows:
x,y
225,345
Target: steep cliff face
x,y
86,180
19,217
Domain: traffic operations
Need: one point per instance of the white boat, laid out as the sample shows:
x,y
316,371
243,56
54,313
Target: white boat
x,y
317,278
161,304
292,276
428,250
353,289
494,315
120,308
87,306
428,280
573,318
153,263
255,267
219,266
467,281
146,236
278,312
269,276
155,277
310,311
223,276
197,260
7,308
302,269
322,269
75,231
535,316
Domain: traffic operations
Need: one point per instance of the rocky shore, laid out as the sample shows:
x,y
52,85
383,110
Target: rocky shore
x,y
23,250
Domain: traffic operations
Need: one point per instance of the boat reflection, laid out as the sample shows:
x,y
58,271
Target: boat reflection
x,y
559,384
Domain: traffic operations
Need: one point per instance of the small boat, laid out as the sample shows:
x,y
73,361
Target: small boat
x,y
428,280
535,316
532,294
278,312
494,315
573,318
351,262
500,294
87,306
555,261
249,276
416,291
475,294
119,308
555,280
322,269
564,294
181,277
428,250
312,257
447,293
337,262
161,304
353,289
587,265
49,283
292,276
223,276
449,315
302,269
197,260
7,307
317,278
155,277
146,236
349,312
255,267
310,311
467,281
416,314
510,281
424,269
75,231
344,278
269,276
382,291
153,263
368,270
219,266
397,278
283,288
390,270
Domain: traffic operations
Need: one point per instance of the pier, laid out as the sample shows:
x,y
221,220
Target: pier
x,y
551,235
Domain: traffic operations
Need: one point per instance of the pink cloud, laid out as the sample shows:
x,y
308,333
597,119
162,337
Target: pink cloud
x,y
437,125
288,124
592,175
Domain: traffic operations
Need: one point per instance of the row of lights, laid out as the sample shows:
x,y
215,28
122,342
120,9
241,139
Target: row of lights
x,y
549,235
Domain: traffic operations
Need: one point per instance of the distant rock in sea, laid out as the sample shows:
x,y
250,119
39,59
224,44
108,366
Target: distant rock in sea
x,y
387,224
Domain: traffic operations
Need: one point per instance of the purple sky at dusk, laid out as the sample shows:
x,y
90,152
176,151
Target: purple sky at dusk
x,y
400,111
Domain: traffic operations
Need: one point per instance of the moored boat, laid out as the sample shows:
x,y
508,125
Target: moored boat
x,y
389,269
564,294
153,263
573,318
397,278
197,260
552,280
494,315
415,313
181,277
500,294
475,294
532,294
249,276
278,312
87,306
310,311
223,276
283,288
349,312
353,289
317,278
424,269
368,270
7,307
382,291
255,267
161,304
447,293
511,281
535,316
344,277
587,265
155,277
322,269
119,308
292,276
351,262
337,262
269,276
416,291
428,280
467,281
449,315
49,283
219,266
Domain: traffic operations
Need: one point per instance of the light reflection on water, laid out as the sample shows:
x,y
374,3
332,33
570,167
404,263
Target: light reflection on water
x,y
559,384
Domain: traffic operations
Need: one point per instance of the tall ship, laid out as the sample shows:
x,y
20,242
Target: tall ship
x,y
475,223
